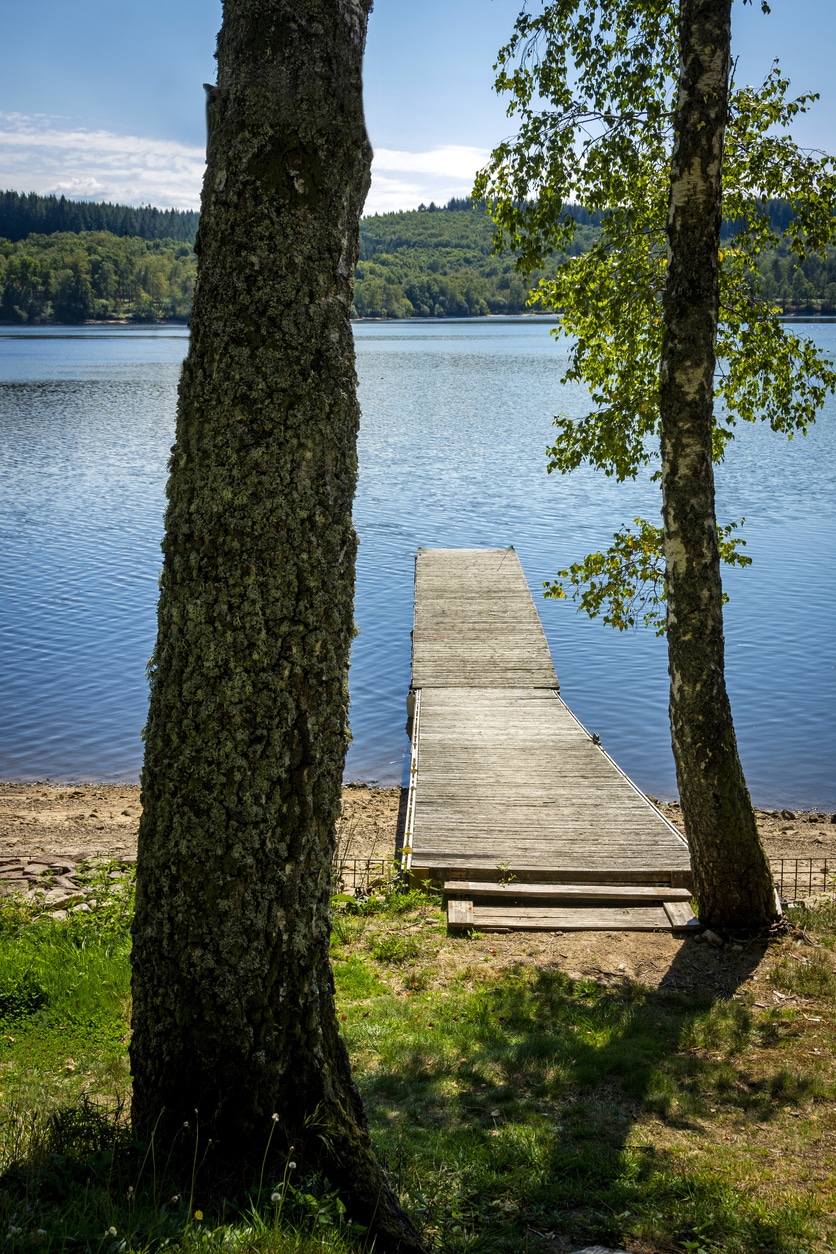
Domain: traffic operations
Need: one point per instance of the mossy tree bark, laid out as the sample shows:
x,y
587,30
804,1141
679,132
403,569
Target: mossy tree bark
x,y
733,884
234,1018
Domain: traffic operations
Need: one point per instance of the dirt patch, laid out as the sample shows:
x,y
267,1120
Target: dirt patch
x,y
85,820
785,833
54,822
654,959
46,830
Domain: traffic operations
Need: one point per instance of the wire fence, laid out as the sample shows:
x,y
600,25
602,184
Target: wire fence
x,y
364,875
796,878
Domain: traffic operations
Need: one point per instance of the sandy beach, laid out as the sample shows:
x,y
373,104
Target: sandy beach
x,y
47,830
52,821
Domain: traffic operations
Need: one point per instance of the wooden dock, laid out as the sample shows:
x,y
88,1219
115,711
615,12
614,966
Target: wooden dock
x,y
514,809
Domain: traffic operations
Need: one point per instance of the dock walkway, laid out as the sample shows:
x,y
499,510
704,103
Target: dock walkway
x,y
514,808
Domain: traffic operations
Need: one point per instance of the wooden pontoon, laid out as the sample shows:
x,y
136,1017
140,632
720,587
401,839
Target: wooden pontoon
x,y
514,809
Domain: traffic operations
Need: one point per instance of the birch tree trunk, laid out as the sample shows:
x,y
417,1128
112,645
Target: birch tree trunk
x,y
233,998
732,877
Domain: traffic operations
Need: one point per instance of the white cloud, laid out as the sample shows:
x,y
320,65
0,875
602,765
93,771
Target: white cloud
x,y
403,180
52,155
47,154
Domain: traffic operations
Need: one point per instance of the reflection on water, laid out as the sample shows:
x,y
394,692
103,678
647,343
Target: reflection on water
x,y
456,417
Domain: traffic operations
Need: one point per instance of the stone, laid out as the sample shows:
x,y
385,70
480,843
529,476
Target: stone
x,y
713,938
599,1249
61,897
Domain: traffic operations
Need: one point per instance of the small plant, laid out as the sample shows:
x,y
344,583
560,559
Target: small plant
x,y
395,949
20,996
807,975
504,873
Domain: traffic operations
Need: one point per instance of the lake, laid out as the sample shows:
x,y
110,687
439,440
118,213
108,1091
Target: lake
x,y
456,419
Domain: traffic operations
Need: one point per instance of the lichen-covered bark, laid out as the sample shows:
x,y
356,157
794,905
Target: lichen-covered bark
x,y
732,878
234,1017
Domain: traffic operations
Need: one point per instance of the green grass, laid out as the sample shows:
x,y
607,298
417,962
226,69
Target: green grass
x,y
515,1108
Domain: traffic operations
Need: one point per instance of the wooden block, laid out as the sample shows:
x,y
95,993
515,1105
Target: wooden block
x,y
571,919
681,914
587,892
443,866
459,913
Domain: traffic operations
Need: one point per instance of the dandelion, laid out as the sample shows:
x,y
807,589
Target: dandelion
x,y
175,1199
275,1197
274,1117
198,1214
111,1232
291,1166
130,1190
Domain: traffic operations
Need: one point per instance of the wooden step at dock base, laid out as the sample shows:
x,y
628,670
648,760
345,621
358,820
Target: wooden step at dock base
x,y
526,916
627,893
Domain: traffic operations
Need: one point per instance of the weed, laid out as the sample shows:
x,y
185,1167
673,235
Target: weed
x,y
395,949
505,1100
808,975
20,996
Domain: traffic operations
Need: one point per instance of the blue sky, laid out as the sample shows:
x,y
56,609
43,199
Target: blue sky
x,y
102,99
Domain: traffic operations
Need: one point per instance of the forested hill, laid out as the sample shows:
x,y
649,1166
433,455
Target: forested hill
x,y
97,276
438,262
22,215
426,263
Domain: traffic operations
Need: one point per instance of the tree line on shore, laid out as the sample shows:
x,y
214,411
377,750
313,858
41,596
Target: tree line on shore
x,y
108,262
22,215
95,276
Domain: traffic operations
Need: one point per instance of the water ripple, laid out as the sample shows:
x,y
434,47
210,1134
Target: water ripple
x,y
456,418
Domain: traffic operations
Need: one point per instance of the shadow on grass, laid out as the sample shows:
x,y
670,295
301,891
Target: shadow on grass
x,y
85,1184
519,1113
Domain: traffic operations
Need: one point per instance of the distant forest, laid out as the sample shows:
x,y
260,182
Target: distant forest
x,y
44,215
74,261
95,276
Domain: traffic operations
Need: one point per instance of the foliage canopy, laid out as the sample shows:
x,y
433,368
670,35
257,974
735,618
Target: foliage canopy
x,y
593,87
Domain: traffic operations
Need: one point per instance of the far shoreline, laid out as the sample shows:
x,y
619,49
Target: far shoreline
x,y
136,324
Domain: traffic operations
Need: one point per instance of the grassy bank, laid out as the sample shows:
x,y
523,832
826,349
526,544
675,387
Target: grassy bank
x,y
517,1104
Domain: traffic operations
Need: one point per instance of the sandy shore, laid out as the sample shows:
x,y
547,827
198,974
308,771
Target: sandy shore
x,y
45,831
51,822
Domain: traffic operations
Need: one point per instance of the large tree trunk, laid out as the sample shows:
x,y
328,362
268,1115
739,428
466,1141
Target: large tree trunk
x,y
732,877
234,1019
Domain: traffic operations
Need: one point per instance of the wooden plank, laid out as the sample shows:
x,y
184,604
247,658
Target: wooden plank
x,y
467,868
567,919
512,776
681,914
475,622
503,774
460,913
587,892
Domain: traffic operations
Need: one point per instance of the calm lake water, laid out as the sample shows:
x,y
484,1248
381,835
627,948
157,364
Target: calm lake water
x,y
456,418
